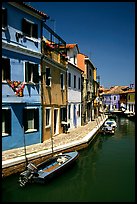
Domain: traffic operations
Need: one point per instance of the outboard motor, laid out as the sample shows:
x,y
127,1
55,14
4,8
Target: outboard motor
x,y
27,175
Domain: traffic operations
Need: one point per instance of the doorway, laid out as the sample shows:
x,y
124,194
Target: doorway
x,y
56,127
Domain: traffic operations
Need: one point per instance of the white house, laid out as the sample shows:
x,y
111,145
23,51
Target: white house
x,y
74,87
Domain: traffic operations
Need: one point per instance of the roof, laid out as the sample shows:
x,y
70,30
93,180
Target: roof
x,y
116,90
33,9
130,91
71,46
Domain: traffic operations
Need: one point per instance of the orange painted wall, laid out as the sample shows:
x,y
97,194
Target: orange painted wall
x,y
81,61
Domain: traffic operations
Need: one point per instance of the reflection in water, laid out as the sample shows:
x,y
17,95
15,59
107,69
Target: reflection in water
x,y
104,172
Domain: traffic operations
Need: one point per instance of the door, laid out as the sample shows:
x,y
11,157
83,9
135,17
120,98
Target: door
x,y
56,126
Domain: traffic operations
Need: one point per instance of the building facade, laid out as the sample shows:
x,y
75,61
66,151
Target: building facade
x,y
54,84
131,100
89,87
21,90
74,87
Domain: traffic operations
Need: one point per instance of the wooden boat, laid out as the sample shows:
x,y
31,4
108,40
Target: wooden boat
x,y
47,169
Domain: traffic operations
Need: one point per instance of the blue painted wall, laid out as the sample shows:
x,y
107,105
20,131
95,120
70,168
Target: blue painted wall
x,y
14,19
32,93
16,139
111,100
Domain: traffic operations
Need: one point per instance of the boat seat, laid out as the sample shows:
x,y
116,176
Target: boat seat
x,y
61,160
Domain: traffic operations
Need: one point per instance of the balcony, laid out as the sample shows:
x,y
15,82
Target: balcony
x,y
54,47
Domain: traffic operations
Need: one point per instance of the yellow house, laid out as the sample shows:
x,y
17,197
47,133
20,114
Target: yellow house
x,y
131,100
54,91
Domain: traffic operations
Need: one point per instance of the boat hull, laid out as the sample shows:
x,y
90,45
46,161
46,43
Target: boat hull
x,y
47,169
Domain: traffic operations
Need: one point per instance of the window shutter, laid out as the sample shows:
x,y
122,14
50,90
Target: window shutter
x,y
6,67
35,74
36,119
4,18
26,71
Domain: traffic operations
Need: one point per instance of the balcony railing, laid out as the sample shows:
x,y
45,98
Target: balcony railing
x,y
54,46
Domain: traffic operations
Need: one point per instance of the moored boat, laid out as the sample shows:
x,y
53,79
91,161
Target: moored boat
x,y
109,126
47,169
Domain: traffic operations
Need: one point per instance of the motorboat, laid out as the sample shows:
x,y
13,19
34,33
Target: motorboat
x,y
110,122
109,126
47,169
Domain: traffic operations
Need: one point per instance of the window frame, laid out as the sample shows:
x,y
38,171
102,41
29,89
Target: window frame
x,y
48,77
4,19
69,79
30,26
47,125
63,114
5,72
34,121
31,72
74,81
62,84
79,83
6,122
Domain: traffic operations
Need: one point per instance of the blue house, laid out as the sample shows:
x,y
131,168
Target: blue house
x,y
111,98
21,75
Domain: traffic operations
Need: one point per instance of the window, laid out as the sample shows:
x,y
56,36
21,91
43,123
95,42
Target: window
x,y
48,117
63,114
90,72
6,122
129,97
5,69
79,83
69,79
29,28
114,97
74,81
62,81
4,18
31,72
31,119
48,76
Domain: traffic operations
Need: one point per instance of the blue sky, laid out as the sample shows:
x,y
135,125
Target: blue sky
x,y
105,31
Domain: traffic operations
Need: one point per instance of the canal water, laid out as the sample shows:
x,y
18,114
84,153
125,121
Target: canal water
x,y
104,172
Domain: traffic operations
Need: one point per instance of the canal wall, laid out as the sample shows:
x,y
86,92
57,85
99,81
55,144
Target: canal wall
x,y
13,162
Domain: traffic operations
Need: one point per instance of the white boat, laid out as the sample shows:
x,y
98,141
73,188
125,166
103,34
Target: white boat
x,y
109,126
110,122
129,114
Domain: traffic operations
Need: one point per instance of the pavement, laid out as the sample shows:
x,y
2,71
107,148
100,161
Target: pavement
x,y
62,141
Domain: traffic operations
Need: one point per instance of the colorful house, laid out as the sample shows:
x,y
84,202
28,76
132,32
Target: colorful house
x,y
131,100
74,87
113,98
88,87
54,84
21,89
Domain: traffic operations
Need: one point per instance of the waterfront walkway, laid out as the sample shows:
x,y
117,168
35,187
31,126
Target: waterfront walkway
x,y
62,141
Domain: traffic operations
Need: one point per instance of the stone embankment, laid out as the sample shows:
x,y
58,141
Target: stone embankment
x,y
14,161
